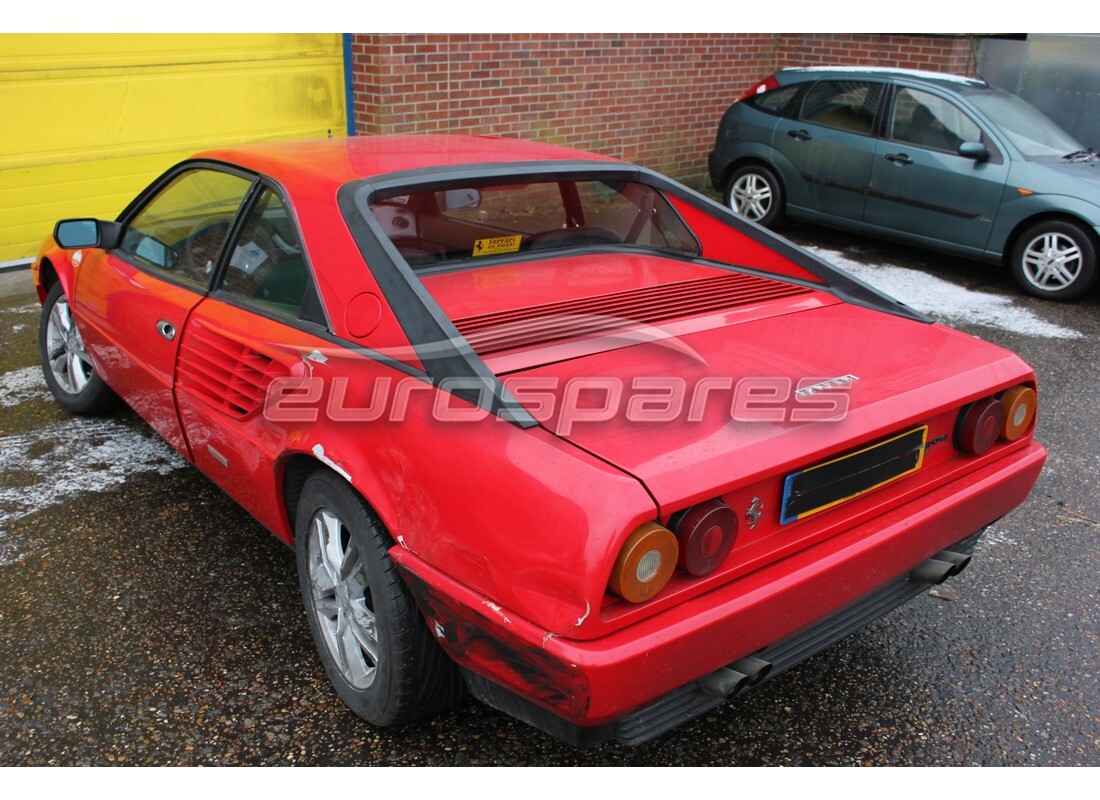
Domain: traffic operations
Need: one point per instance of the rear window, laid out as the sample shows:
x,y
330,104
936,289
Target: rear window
x,y
467,223
777,101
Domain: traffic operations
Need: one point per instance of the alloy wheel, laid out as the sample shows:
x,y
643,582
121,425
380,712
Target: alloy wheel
x,y
751,196
342,599
1052,261
69,363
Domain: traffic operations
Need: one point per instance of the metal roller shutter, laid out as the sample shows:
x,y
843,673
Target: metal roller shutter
x,y
89,120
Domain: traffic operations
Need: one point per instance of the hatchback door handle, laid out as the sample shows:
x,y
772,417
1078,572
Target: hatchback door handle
x,y
166,329
802,135
898,158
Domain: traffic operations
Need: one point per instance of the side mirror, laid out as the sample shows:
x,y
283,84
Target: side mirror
x,y
975,150
79,233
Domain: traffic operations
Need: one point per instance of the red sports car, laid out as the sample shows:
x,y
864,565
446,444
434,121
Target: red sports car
x,y
542,425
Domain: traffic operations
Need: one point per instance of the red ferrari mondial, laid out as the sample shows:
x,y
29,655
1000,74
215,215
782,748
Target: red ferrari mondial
x,y
540,424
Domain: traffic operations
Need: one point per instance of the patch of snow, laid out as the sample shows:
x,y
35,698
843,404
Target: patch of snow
x,y
993,538
21,385
948,301
54,463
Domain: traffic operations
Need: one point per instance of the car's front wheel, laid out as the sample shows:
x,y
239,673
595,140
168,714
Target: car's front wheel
x,y
66,365
375,647
754,192
1055,259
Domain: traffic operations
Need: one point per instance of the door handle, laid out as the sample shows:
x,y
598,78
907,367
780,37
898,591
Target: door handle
x,y
898,158
166,329
802,135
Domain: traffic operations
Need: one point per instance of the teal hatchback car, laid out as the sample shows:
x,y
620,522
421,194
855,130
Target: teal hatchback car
x,y
930,159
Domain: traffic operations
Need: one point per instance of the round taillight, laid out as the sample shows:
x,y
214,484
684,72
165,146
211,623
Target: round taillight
x,y
1019,404
705,533
979,425
645,563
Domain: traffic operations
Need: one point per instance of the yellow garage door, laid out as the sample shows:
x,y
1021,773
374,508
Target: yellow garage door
x,y
89,120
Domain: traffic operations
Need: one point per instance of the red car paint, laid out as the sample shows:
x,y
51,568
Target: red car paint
x,y
506,533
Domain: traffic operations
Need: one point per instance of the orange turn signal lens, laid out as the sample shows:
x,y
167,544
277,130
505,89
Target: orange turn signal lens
x,y
645,563
1019,403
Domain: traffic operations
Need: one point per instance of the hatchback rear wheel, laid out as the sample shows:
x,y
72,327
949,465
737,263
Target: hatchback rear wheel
x,y
754,192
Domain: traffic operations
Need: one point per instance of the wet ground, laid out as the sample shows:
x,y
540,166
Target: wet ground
x,y
146,620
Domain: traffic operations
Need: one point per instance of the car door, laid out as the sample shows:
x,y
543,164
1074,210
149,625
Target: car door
x,y
134,301
921,185
262,323
830,144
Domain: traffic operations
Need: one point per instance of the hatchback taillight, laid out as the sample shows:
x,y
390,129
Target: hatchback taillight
x,y
760,87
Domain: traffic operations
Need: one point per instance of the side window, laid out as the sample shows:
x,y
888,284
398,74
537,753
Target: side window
x,y
928,120
181,231
775,101
848,105
268,266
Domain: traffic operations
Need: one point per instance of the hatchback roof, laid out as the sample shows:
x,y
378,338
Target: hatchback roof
x,y
944,79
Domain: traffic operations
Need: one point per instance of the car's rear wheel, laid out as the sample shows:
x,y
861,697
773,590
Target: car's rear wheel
x,y
754,192
66,365
375,647
1055,259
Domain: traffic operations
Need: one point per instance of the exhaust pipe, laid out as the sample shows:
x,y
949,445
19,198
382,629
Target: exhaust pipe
x,y
727,681
945,564
960,561
756,668
933,571
723,682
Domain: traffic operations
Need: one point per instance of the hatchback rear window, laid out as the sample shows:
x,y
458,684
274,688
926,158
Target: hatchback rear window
x,y
776,101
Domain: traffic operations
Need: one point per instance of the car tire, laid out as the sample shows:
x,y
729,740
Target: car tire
x,y
1055,260
69,372
374,645
754,193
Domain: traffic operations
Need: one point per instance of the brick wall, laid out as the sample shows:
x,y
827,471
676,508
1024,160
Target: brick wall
x,y
654,99
936,53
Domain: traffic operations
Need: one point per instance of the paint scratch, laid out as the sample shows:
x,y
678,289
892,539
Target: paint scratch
x,y
319,451
584,616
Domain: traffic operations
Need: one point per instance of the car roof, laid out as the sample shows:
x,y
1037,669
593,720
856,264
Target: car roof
x,y
943,79
337,161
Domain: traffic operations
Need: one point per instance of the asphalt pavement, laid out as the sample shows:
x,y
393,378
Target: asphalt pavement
x,y
145,619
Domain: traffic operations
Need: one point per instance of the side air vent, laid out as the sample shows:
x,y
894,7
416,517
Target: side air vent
x,y
227,375
534,325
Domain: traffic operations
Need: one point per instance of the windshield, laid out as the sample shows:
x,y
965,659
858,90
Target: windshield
x,y
1031,131
481,219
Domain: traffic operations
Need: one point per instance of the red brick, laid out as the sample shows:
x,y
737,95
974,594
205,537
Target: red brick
x,y
650,98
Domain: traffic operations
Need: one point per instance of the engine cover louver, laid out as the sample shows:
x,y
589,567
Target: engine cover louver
x,y
227,375
535,325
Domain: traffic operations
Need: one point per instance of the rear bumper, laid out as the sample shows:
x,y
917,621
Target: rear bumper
x,y
717,164
639,681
